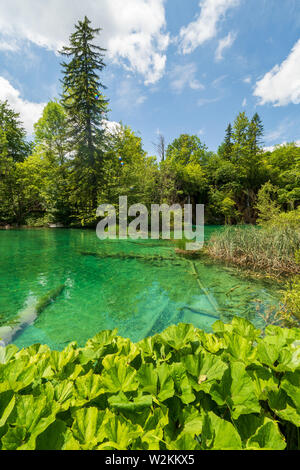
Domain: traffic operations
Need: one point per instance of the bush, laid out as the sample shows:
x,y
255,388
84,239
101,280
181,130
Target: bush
x,y
180,390
290,310
38,222
288,219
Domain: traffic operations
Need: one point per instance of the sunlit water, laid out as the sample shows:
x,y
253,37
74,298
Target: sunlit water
x,y
139,287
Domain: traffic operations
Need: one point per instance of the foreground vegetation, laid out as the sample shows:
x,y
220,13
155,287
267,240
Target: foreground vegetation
x,y
181,389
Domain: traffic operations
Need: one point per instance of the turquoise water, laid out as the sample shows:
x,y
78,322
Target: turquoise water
x,y
139,287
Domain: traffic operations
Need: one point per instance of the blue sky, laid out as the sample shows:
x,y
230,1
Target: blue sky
x,y
173,66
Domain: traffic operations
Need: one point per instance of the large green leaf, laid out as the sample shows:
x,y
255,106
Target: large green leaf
x,y
210,342
7,353
35,414
267,437
53,438
291,384
101,340
118,375
263,379
88,427
14,438
121,403
87,388
17,375
218,434
185,442
166,382
284,407
119,433
148,379
205,369
7,403
179,336
183,388
236,391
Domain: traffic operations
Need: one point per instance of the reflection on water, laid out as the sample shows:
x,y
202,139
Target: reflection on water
x,y
139,287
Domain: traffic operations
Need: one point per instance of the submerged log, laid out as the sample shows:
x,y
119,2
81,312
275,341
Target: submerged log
x,y
28,316
212,301
136,256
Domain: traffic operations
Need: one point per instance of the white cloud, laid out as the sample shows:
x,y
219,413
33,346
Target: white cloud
x,y
111,127
129,95
8,44
280,132
204,101
281,86
204,27
185,76
29,112
224,43
273,147
244,103
134,34
247,80
218,81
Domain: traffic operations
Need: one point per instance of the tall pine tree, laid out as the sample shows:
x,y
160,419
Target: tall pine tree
x,y
86,108
256,131
228,143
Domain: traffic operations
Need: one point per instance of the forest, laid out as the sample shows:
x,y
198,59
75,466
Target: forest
x,y
75,161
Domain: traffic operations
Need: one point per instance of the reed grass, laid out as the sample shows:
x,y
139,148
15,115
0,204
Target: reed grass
x,y
268,249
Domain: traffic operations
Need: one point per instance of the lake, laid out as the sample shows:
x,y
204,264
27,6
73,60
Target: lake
x,y
139,287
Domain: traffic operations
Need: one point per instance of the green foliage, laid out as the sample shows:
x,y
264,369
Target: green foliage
x,y
137,178
74,164
283,166
289,219
266,203
12,134
290,308
13,149
180,390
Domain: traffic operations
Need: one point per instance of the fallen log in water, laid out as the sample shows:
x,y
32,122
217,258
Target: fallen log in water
x,y
136,256
212,301
28,316
201,313
162,322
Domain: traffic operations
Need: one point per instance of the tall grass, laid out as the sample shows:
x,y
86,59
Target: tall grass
x,y
268,249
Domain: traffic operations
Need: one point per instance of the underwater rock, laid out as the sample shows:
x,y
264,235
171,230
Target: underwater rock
x,y
28,316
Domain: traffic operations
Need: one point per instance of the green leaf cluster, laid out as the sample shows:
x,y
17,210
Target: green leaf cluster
x,y
180,390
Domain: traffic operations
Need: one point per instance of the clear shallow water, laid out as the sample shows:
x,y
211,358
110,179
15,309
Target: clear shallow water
x,y
129,287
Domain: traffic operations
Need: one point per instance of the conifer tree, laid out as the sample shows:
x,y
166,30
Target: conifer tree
x,y
86,107
256,131
82,99
13,136
228,143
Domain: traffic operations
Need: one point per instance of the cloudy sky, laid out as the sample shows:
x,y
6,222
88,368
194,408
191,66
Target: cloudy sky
x,y
173,66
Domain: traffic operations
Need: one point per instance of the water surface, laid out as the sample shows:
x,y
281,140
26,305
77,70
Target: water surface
x,y
139,287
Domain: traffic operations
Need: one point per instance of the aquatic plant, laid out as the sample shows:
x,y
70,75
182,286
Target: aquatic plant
x,y
180,390
268,249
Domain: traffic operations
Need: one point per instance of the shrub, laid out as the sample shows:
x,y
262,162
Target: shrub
x,y
180,390
290,310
